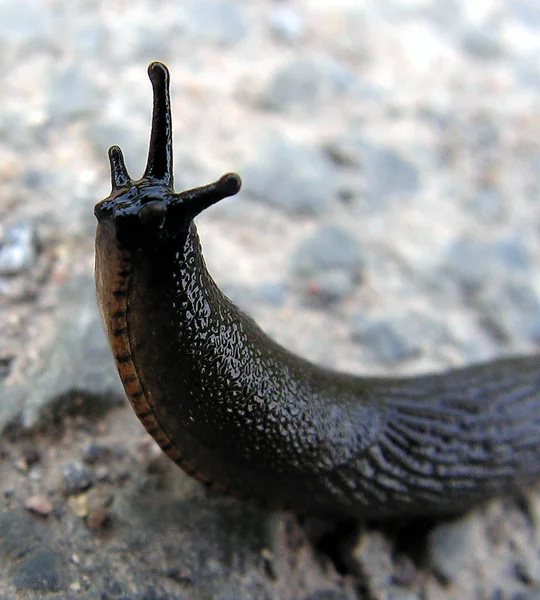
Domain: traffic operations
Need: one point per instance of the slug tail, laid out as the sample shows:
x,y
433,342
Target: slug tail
x,y
159,166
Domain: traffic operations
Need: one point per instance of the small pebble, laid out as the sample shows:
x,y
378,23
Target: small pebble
x,y
451,546
40,505
76,478
74,93
306,83
286,23
396,592
215,22
102,473
31,453
482,43
41,570
472,262
307,189
94,453
329,248
18,249
271,293
533,594
98,503
383,339
330,286
386,172
510,310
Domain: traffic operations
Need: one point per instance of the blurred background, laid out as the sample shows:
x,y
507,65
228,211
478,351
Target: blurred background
x,y
388,221
389,152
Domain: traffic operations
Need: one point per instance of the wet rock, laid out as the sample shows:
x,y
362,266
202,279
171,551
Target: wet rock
x,y
451,545
18,249
308,188
40,571
307,83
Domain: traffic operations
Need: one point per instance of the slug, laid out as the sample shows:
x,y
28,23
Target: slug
x,y
245,416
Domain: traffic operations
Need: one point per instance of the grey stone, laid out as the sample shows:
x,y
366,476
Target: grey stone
x,y
332,595
91,36
18,248
20,25
396,592
450,546
527,71
40,571
329,248
474,262
290,177
286,23
488,204
74,94
330,286
272,293
510,309
307,83
382,340
533,594
75,369
76,477
215,22
527,11
386,173
94,452
482,43
399,338
19,532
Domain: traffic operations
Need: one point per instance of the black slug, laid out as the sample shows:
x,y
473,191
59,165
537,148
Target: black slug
x,y
239,412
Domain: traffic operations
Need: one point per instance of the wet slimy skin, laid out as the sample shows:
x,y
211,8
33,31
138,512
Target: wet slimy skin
x,y
242,414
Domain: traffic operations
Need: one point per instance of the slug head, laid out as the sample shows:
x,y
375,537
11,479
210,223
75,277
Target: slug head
x,y
148,211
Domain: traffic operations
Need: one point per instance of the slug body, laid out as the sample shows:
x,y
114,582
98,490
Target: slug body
x,y
245,416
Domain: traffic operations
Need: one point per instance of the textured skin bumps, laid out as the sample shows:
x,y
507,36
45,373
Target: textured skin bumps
x,y
242,414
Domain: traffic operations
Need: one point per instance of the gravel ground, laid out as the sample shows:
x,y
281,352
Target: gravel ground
x,y
388,223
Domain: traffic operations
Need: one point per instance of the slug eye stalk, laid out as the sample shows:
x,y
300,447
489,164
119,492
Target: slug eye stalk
x,y
148,208
159,165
